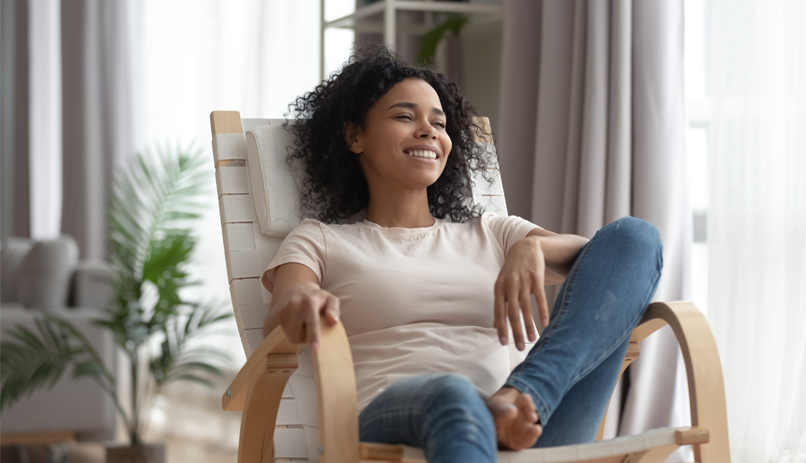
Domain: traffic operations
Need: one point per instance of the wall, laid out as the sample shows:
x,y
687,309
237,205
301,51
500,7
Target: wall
x,y
481,66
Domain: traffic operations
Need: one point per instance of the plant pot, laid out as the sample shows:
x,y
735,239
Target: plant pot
x,y
144,453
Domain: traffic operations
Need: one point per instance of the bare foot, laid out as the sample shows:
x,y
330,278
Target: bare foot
x,y
515,418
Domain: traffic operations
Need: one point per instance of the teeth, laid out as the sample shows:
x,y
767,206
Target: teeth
x,y
423,154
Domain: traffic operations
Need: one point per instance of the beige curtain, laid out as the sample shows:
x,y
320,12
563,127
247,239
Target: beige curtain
x,y
15,219
98,112
592,129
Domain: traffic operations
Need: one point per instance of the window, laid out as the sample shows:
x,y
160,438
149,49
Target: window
x,y
697,114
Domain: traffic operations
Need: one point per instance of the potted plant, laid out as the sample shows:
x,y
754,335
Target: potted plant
x,y
155,202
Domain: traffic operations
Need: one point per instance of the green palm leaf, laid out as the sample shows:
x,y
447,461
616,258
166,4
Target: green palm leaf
x,y
179,357
154,201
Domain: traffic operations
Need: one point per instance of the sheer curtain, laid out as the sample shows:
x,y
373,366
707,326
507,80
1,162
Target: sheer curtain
x,y
252,56
45,108
198,56
757,222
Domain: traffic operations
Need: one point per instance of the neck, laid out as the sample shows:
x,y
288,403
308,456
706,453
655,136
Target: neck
x,y
404,209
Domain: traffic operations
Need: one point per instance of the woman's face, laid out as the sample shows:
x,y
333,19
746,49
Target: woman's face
x,y
403,142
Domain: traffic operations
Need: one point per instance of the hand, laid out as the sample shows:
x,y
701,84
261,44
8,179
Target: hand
x,y
300,309
522,275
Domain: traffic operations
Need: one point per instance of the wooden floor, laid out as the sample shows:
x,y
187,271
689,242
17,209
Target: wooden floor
x,y
179,450
189,420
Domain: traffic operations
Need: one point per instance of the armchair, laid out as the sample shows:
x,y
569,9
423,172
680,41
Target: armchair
x,y
289,415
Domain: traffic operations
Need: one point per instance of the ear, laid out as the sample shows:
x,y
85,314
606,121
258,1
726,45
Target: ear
x,y
353,140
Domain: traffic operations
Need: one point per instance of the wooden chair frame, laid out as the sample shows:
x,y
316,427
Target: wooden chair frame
x,y
258,387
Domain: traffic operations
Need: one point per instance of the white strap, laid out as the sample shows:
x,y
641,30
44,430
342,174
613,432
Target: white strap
x,y
227,146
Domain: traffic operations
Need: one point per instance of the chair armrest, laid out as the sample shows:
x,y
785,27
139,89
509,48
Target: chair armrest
x,y
703,368
258,387
337,395
275,343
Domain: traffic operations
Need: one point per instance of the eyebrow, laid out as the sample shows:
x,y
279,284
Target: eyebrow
x,y
415,106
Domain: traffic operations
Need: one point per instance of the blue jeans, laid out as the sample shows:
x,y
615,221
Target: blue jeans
x,y
569,373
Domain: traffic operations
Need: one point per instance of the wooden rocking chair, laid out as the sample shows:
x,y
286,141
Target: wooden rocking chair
x,y
302,407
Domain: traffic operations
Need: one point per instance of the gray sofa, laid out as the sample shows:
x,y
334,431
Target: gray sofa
x,y
47,277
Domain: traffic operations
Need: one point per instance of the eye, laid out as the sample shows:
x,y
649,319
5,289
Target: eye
x,y
404,116
440,124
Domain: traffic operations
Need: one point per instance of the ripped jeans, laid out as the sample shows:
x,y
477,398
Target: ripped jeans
x,y
570,372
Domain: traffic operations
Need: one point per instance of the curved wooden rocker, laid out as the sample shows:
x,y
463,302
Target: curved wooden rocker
x,y
258,387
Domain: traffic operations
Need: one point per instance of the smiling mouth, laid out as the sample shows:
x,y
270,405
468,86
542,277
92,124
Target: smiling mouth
x,y
426,154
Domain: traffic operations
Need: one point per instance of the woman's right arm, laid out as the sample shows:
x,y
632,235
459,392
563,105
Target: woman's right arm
x,y
297,303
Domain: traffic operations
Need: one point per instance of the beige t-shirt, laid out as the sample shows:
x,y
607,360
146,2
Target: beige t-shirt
x,y
413,300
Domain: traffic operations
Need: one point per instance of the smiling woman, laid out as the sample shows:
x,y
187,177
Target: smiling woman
x,y
426,284
403,149
344,107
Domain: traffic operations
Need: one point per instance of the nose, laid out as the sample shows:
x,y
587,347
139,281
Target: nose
x,y
426,130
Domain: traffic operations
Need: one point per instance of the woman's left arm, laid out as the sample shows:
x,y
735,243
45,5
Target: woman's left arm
x,y
559,252
541,258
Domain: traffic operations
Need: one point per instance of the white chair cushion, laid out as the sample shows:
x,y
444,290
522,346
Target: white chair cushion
x,y
274,187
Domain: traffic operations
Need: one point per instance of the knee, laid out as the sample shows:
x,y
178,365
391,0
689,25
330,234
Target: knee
x,y
454,398
640,236
451,389
456,417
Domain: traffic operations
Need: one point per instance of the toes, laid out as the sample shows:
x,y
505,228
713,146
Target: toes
x,y
523,437
526,408
504,411
524,401
515,420
537,431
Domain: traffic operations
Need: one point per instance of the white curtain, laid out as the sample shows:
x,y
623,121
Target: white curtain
x,y
757,222
198,56
44,113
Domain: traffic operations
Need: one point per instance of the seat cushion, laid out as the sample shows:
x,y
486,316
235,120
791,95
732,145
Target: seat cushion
x,y
13,251
43,276
78,405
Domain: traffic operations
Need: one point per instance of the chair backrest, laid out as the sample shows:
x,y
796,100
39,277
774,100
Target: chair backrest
x,y
248,251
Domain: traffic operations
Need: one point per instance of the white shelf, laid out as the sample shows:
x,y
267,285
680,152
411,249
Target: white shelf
x,y
388,26
349,20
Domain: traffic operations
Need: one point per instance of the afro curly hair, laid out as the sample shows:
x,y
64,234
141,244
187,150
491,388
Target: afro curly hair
x,y
334,187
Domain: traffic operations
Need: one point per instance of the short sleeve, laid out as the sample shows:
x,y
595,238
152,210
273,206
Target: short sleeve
x,y
507,230
304,245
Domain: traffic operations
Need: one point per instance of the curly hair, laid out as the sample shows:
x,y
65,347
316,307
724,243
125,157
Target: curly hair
x,y
335,188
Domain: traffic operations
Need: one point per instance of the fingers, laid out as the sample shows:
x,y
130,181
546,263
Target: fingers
x,y
300,316
312,329
526,308
500,321
293,324
515,317
331,309
542,304
510,302
526,407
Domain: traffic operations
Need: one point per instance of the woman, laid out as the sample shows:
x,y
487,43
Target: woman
x,y
425,300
